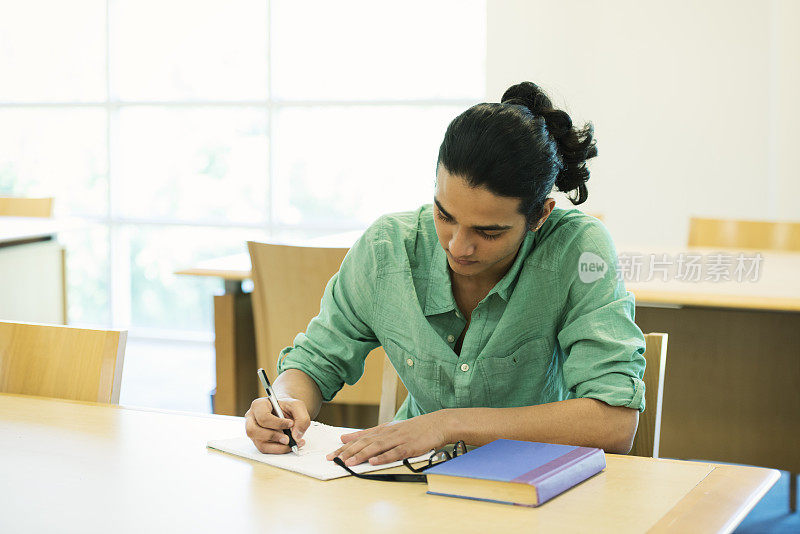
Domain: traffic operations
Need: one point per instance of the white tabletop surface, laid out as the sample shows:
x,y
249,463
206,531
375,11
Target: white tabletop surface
x,y
22,228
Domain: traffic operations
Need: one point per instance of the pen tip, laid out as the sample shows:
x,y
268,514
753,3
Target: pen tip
x,y
295,450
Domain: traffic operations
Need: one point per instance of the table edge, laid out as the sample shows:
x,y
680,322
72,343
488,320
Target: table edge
x,y
216,273
126,407
707,300
691,514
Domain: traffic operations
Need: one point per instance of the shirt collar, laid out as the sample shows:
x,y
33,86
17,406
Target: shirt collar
x,y
439,297
506,285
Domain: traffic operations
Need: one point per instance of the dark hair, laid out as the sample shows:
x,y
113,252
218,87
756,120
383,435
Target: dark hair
x,y
520,148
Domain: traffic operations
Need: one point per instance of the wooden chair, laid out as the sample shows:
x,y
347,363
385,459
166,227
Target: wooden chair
x,y
764,235
288,283
61,361
393,393
26,207
648,433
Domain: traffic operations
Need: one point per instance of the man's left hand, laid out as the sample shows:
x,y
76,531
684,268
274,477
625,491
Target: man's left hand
x,y
393,441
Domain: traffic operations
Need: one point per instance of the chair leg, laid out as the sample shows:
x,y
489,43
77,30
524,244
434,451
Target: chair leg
x,y
792,492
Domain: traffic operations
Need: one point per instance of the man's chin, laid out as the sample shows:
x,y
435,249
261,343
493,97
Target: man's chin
x,y
466,270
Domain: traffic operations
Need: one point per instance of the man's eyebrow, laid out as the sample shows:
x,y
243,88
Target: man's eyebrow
x,y
487,228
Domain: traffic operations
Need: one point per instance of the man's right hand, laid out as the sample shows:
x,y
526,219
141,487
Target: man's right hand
x,y
265,428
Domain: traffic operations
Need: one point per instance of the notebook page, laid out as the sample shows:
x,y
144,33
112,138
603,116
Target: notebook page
x,y
320,439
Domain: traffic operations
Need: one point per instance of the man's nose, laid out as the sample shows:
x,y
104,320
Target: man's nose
x,y
460,244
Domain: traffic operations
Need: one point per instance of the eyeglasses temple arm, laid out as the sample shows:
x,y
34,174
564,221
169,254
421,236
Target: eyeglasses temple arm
x,y
386,477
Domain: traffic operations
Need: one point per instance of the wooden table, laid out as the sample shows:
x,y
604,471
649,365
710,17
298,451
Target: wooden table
x,y
83,467
14,230
33,269
732,386
234,334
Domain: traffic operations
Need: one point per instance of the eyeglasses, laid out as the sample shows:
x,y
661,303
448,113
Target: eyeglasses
x,y
437,457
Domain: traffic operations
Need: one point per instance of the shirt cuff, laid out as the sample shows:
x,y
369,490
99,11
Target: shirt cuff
x,y
615,389
326,384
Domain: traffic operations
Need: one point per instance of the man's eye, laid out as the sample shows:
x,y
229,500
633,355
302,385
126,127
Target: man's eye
x,y
443,217
490,236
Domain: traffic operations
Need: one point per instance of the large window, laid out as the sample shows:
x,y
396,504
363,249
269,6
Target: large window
x,y
177,130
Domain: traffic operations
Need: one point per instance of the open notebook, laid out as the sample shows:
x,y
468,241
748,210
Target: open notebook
x,y
320,439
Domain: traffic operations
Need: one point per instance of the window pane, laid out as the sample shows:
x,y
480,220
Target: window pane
x,y
88,294
193,164
302,236
378,50
345,166
189,50
53,50
163,300
55,152
169,375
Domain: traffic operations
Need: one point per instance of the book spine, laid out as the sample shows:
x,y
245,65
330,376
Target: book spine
x,y
429,492
569,475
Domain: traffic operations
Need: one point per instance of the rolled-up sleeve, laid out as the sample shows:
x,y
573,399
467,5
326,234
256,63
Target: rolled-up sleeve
x,y
603,347
334,347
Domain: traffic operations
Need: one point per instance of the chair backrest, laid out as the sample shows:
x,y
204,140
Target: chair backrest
x,y
764,235
648,433
61,361
288,283
26,207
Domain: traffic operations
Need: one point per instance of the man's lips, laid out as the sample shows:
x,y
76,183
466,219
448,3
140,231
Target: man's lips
x,y
461,261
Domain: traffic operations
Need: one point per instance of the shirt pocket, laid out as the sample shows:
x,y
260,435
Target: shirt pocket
x,y
521,377
420,375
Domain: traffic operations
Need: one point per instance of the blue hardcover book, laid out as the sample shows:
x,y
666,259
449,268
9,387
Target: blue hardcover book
x,y
515,472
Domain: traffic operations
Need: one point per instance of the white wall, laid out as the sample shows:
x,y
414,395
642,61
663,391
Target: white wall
x,y
695,104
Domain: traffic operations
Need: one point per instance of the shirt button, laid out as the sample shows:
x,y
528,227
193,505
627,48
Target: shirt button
x,y
465,367
451,338
458,314
410,362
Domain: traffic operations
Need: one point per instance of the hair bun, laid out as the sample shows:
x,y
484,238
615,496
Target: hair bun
x,y
575,145
558,122
530,95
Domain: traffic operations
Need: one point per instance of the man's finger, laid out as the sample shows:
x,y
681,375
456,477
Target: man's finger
x,y
359,434
392,455
279,437
255,432
267,420
373,449
347,438
301,420
354,448
335,453
270,447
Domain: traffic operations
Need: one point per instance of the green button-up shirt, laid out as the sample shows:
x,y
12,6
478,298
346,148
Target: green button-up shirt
x,y
558,325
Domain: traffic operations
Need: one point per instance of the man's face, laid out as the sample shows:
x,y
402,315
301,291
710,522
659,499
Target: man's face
x,y
480,231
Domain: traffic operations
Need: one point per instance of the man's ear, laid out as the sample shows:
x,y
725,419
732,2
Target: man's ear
x,y
549,206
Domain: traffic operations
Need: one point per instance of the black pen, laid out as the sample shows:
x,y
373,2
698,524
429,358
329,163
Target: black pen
x,y
262,375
